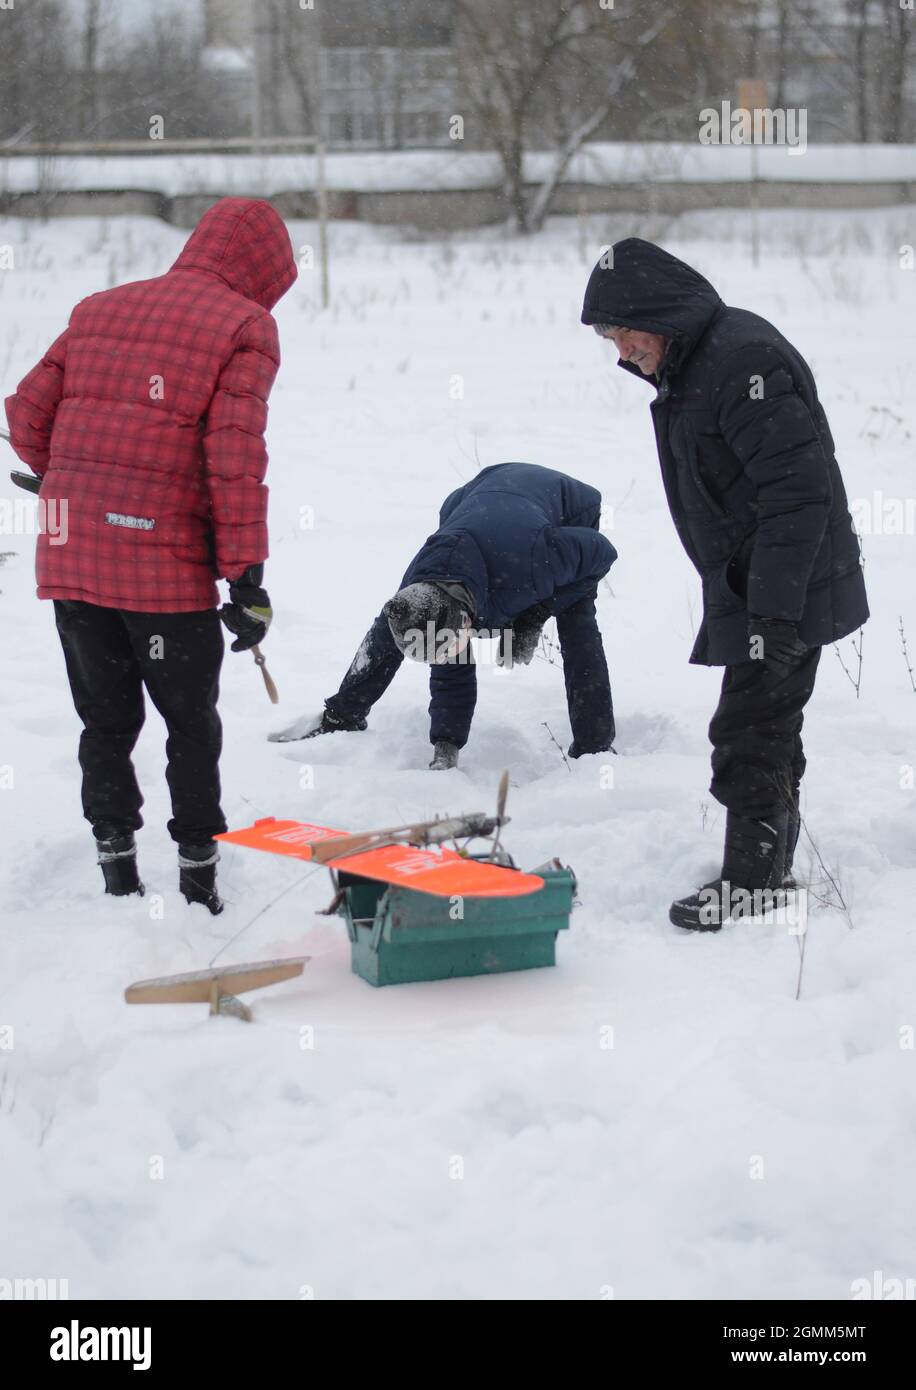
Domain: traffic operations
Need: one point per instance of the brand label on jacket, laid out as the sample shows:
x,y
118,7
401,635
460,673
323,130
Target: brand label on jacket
x,y
135,523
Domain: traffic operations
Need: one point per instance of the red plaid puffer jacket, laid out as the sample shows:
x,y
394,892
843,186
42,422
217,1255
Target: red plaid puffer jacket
x,y
147,416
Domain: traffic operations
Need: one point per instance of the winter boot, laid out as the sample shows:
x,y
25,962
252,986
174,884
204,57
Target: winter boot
x,y
197,875
751,877
445,755
574,751
118,860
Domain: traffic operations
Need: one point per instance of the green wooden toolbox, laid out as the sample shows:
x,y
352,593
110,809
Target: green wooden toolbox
x,y
400,936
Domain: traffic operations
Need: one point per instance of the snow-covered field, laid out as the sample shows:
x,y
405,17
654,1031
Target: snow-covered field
x,y
733,1141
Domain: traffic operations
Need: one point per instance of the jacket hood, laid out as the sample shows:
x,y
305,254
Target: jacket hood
x,y
245,242
652,291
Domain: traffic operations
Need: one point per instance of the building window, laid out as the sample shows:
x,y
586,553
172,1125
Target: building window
x,y
352,67
367,129
353,128
422,128
340,128
427,65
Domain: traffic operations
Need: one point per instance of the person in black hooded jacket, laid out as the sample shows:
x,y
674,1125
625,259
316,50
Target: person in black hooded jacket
x,y
756,496
515,546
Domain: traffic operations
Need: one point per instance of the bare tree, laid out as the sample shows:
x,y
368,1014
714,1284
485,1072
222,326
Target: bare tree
x,y
527,67
539,205
159,71
694,63
37,77
291,33
89,71
782,53
898,57
858,14
754,20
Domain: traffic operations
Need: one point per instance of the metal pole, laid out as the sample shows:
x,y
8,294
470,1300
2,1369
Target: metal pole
x,y
322,192
752,97
755,207
257,98
321,187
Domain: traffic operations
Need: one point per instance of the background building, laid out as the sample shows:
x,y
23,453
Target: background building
x,y
387,71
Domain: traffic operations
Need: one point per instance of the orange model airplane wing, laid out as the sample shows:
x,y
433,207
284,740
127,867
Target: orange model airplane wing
x,y
292,837
439,870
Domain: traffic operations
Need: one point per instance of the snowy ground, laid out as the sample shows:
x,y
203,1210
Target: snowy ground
x,y
733,1141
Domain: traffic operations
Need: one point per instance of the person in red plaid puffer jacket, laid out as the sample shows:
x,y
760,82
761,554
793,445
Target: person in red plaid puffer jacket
x,y
145,421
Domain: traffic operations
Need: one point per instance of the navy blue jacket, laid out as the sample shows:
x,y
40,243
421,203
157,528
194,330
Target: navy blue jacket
x,y
517,535
746,454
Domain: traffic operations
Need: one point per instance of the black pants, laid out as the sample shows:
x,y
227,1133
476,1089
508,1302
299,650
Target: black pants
x,y
111,655
757,756
453,688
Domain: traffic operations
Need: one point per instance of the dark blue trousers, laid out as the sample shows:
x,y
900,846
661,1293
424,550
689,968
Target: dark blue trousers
x,y
453,689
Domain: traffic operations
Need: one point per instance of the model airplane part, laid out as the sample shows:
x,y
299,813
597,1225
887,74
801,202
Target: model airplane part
x,y
29,482
475,825
218,987
440,871
422,833
501,818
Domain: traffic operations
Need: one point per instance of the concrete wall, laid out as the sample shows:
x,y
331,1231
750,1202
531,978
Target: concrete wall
x,y
671,197
438,210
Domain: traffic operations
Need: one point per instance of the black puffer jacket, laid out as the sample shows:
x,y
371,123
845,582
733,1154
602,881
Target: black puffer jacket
x,y
746,455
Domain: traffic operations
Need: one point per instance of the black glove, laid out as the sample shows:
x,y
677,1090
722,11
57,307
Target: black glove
x,y
312,726
248,613
774,639
518,644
